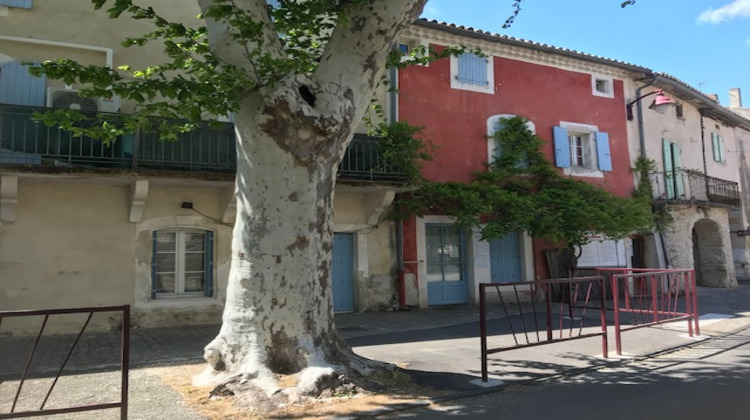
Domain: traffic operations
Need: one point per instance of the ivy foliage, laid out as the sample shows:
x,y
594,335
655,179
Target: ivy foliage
x,y
404,148
521,190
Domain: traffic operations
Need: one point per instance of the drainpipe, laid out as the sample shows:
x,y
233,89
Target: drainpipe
x,y
639,113
703,152
642,144
107,51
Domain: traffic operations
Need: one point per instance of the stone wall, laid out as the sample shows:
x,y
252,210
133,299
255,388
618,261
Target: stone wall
x,y
712,260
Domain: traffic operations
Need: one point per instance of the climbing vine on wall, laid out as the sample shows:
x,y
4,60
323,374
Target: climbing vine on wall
x,y
521,190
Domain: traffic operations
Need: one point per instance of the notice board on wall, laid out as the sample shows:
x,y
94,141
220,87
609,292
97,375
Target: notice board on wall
x,y
602,252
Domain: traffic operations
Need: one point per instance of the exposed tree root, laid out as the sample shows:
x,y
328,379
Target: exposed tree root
x,y
361,376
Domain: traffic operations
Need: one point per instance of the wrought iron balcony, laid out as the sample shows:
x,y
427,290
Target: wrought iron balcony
x,y
685,186
26,142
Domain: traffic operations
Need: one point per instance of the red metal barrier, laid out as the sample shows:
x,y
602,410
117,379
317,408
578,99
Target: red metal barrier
x,y
124,364
565,300
653,296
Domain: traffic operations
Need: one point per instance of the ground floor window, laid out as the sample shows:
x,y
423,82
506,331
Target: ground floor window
x,y
182,263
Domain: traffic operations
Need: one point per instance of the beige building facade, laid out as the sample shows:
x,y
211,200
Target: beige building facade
x,y
143,222
695,180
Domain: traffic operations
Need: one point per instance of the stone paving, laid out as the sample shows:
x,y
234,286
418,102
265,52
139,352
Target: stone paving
x,y
97,351
438,331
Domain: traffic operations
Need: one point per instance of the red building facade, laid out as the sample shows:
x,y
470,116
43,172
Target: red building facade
x,y
574,102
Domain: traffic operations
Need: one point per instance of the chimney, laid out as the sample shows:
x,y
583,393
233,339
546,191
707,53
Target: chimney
x,y
713,96
735,98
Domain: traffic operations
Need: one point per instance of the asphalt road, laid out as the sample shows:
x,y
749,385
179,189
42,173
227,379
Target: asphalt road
x,y
710,380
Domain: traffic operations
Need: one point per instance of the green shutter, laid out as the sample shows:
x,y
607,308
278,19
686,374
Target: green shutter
x,y
715,147
722,155
668,168
679,181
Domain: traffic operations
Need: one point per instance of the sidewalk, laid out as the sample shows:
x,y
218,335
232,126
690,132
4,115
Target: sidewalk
x,y
439,346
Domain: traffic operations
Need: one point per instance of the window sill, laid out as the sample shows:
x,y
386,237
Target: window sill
x,y
583,172
180,298
488,88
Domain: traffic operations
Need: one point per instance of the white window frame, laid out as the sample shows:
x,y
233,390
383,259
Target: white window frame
x,y
411,44
588,133
488,88
607,81
180,265
491,122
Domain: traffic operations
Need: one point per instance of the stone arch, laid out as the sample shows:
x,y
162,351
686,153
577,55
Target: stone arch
x,y
709,255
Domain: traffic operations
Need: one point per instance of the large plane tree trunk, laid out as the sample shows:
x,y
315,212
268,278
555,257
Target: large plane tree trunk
x,y
278,313
278,317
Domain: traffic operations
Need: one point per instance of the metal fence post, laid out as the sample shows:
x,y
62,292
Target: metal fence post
x,y
483,330
125,361
603,316
616,305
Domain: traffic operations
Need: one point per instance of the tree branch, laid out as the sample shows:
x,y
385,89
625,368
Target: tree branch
x,y
356,55
239,31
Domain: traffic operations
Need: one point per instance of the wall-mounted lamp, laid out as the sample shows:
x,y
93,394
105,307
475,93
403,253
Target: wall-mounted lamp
x,y
660,104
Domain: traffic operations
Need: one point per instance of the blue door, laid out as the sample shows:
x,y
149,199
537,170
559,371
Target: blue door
x,y
505,258
342,272
446,268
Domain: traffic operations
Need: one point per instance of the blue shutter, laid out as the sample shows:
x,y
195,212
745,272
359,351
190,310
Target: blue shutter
x,y
208,284
562,149
472,69
603,156
22,4
153,265
722,156
19,87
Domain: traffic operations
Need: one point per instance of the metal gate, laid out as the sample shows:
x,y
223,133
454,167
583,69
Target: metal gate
x,y
122,404
554,310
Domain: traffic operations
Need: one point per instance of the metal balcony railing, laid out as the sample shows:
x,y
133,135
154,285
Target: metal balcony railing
x,y
26,142
688,186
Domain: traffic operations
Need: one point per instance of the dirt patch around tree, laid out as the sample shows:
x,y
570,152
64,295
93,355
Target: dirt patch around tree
x,y
390,389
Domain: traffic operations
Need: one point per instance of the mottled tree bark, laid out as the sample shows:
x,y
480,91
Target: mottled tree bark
x,y
278,317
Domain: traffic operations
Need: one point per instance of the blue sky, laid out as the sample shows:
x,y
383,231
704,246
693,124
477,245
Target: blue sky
x,y
705,43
